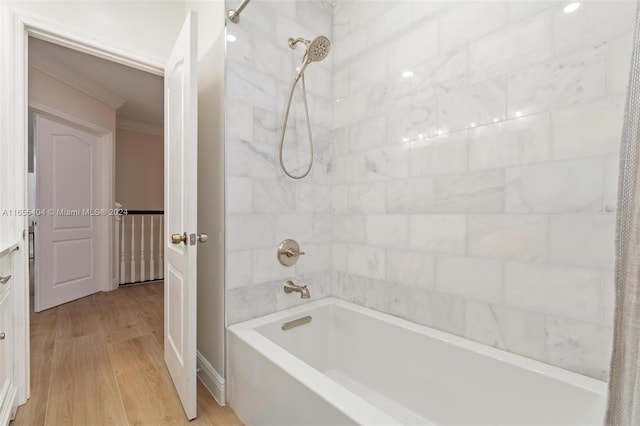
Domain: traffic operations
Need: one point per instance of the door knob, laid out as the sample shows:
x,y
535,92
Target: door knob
x,y
4,280
179,238
2,336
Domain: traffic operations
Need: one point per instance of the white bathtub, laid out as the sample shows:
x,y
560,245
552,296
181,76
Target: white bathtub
x,y
352,365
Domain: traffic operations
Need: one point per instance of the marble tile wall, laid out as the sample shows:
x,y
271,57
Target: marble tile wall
x,y
263,207
477,194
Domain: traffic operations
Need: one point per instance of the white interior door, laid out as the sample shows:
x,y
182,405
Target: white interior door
x,y
67,237
180,205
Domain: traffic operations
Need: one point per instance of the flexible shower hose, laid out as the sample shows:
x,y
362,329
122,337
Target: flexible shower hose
x,y
284,129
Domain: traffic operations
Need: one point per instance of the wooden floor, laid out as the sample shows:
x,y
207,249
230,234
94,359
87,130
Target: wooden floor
x,y
99,361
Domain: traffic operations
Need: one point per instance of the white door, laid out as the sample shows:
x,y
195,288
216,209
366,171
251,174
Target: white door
x,y
68,184
180,205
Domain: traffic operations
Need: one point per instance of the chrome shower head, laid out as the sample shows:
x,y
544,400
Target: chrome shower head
x,y
318,49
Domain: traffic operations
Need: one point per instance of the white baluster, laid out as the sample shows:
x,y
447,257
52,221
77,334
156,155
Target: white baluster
x,y
142,262
121,223
133,247
161,247
152,266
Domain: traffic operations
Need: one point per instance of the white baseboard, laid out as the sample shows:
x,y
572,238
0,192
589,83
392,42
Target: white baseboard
x,y
212,380
8,410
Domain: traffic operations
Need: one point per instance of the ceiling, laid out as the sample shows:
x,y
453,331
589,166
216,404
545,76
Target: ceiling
x,y
136,95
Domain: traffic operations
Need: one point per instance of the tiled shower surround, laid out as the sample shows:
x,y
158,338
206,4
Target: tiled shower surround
x,y
465,172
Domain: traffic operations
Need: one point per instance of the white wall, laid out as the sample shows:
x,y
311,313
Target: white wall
x,y
146,28
48,91
139,170
211,317
501,231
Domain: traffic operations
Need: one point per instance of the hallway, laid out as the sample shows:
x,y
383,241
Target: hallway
x,y
99,361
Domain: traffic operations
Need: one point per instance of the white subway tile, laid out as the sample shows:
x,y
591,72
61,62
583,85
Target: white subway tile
x,y
480,103
450,69
438,233
367,134
246,83
244,158
441,311
438,155
594,22
580,347
565,186
468,277
525,43
239,119
366,261
608,298
339,254
576,78
519,10
311,198
350,109
478,192
387,163
239,268
612,166
416,195
248,231
513,330
266,127
524,140
387,230
296,226
273,196
355,168
582,239
556,290
408,123
348,228
367,198
239,195
265,50
378,28
340,198
370,68
317,258
470,22
619,64
588,129
266,266
410,267
516,237
403,54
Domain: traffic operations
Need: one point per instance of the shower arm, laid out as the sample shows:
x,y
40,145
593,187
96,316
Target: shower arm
x,y
234,14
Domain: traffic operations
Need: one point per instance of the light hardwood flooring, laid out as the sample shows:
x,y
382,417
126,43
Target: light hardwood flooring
x,y
99,361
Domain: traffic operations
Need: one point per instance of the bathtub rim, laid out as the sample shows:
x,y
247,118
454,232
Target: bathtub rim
x,y
362,411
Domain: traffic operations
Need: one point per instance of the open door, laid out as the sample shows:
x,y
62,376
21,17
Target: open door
x,y
69,180
180,205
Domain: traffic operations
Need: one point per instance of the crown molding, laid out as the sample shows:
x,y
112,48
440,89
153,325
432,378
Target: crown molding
x,y
50,66
140,127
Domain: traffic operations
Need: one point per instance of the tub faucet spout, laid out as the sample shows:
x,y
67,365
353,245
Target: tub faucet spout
x,y
290,287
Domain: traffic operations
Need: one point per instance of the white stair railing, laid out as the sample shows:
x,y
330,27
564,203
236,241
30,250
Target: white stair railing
x,y
141,259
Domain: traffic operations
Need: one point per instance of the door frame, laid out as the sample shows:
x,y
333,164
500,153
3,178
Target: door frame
x,y
106,161
15,27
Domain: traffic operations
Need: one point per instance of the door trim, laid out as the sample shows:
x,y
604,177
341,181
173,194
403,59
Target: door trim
x,y
106,190
15,27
